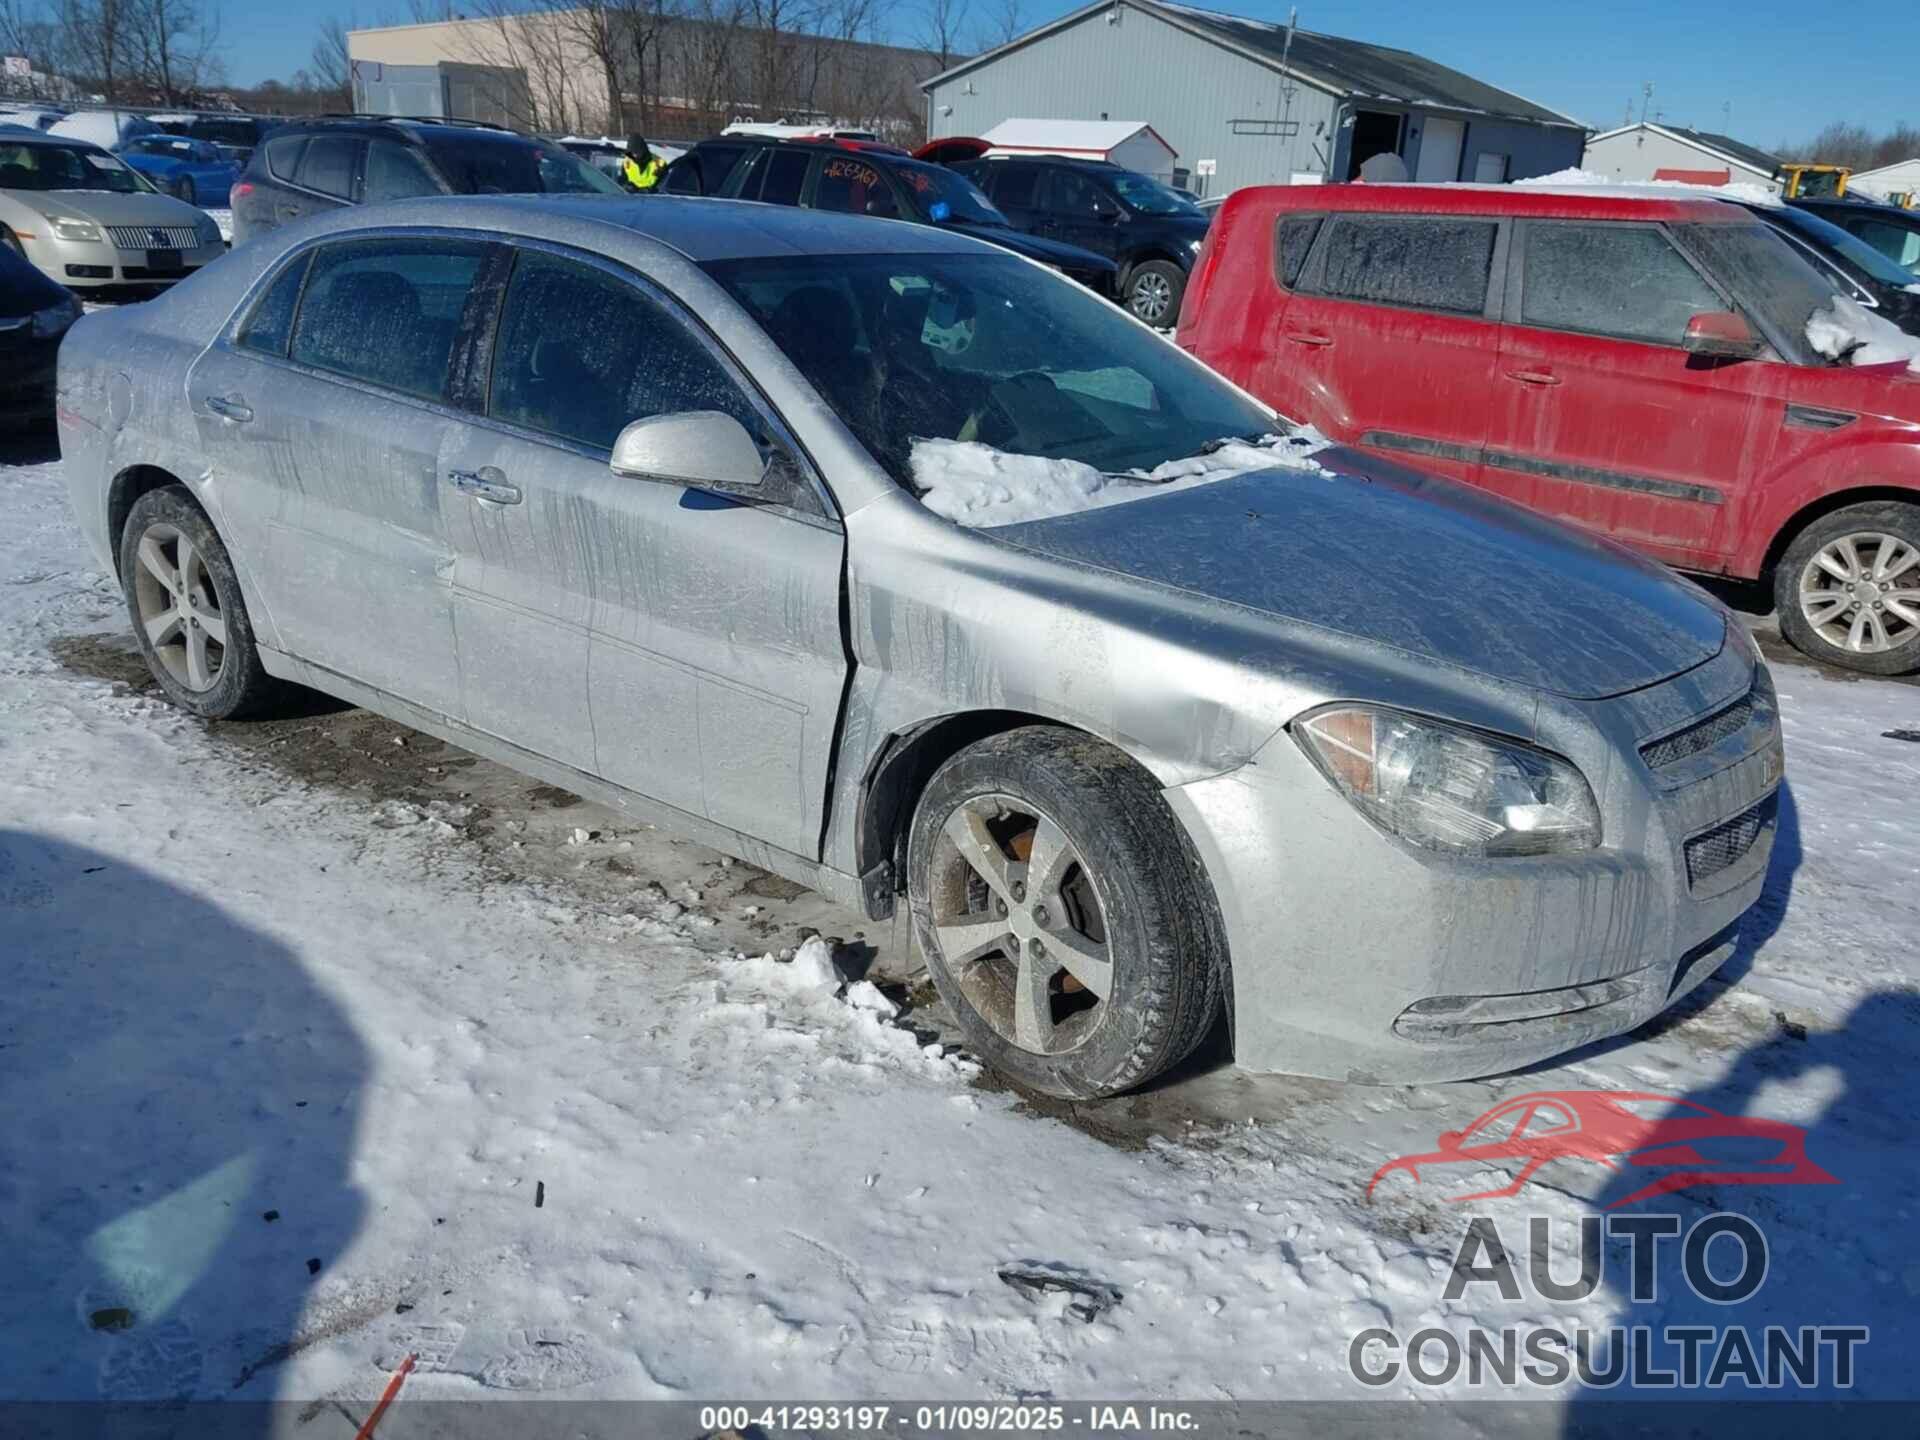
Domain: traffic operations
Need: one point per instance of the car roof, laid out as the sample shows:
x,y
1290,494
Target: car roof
x,y
414,125
1541,201
41,137
700,229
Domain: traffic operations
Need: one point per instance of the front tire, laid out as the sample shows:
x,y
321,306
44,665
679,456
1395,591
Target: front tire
x,y
1154,290
1848,588
187,611
1064,915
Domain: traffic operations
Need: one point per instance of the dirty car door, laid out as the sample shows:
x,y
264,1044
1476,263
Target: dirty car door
x,y
672,641
345,504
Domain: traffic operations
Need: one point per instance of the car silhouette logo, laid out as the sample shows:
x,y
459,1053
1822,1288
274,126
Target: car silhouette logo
x,y
1678,1143
158,236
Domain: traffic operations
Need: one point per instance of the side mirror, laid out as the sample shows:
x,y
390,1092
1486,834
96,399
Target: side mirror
x,y
1721,334
704,449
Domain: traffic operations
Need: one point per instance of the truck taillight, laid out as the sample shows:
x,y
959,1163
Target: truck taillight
x,y
241,191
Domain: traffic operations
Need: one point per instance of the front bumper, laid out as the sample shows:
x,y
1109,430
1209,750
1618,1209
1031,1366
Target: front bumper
x,y
96,264
1358,957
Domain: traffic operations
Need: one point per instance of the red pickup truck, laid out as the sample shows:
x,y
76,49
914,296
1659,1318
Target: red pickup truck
x,y
1638,366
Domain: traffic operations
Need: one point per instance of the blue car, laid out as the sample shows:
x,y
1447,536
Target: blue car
x,y
191,170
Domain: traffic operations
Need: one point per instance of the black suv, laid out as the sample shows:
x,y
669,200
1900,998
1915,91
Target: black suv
x,y
312,165
1895,233
867,179
1856,269
1151,232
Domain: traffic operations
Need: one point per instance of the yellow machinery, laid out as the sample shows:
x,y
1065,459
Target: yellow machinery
x,y
1814,182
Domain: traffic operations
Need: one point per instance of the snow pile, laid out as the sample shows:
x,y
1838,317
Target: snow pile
x,y
1849,331
979,486
1575,180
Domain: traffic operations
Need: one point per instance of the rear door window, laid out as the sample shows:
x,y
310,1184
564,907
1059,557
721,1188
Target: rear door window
x,y
328,165
387,311
1292,241
1623,281
1421,262
786,176
1013,185
396,172
269,325
583,354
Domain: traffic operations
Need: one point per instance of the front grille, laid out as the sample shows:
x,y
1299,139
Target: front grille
x,y
1702,735
154,237
1727,843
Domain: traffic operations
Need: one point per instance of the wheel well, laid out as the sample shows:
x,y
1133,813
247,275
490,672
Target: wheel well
x,y
128,486
897,776
1824,506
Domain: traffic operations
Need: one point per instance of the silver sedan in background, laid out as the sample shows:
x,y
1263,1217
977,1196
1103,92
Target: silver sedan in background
x,y
897,565
87,219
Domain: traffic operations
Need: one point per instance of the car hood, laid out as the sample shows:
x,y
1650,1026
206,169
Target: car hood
x,y
104,207
1387,555
1034,247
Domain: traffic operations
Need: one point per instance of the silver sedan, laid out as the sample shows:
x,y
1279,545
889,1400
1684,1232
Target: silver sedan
x,y
897,565
88,220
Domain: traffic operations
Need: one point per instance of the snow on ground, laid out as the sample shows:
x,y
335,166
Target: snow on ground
x,y
292,1086
980,486
1847,330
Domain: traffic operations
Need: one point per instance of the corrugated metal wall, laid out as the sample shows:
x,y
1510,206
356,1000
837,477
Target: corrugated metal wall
x,y
1206,102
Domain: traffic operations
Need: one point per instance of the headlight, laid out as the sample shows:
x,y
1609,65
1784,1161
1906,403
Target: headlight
x,y
68,228
55,318
1450,789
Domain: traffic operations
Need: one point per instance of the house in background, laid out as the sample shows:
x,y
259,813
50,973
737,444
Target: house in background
x,y
1646,151
1246,102
1130,144
1900,178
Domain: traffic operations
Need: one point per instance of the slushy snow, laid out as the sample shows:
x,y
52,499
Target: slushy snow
x,y
1575,181
979,486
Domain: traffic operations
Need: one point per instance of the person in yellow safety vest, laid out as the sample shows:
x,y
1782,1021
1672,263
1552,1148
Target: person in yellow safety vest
x,y
641,169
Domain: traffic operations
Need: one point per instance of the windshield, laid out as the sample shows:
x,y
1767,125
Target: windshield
x,y
985,348
1880,268
1149,196
65,167
486,163
933,183
1768,277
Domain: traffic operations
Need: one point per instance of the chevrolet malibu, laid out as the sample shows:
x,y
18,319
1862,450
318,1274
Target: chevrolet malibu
x,y
895,564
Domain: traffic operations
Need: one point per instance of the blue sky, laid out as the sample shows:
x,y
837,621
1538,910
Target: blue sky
x,y
1785,68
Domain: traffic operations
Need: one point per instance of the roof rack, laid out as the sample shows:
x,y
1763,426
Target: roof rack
x,y
410,119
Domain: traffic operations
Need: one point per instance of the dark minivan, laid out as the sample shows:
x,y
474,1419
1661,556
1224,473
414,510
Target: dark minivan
x,y
312,165
1151,232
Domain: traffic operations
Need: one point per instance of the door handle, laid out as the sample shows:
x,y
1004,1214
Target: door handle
x,y
1534,377
230,407
1309,337
485,483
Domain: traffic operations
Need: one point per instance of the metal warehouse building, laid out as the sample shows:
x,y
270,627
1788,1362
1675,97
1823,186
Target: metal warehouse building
x,y
1244,102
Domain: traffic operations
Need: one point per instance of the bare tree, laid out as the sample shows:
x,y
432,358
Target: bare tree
x,y
28,30
330,70
941,22
94,36
170,47
998,25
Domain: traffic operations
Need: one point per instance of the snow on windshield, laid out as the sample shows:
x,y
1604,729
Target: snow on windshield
x,y
979,486
1847,330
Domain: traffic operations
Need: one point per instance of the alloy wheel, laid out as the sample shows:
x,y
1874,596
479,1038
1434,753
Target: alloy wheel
x,y
1151,296
1861,592
1020,924
179,608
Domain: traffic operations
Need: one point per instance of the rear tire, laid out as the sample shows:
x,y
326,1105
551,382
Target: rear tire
x,y
187,611
1847,590
1064,915
1154,290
